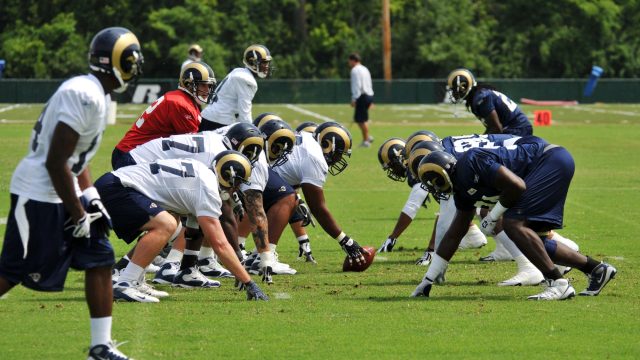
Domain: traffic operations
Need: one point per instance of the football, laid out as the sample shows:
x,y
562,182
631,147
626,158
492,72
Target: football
x,y
368,260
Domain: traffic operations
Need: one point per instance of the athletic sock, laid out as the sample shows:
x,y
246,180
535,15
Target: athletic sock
x,y
189,259
523,263
122,263
174,256
438,266
205,252
553,274
589,266
503,239
131,273
100,330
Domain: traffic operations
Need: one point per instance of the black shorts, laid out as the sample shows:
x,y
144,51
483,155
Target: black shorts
x,y
128,208
363,103
120,159
275,190
38,252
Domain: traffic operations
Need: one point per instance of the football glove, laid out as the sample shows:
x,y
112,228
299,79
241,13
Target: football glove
x,y
487,225
425,259
304,248
387,245
353,250
254,292
101,224
423,289
236,202
303,211
82,229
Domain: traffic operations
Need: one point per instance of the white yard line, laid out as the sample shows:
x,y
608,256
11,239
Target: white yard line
x,y
11,107
7,121
603,111
308,112
282,296
3,221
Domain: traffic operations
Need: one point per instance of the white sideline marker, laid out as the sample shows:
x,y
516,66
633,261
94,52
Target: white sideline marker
x,y
282,296
310,113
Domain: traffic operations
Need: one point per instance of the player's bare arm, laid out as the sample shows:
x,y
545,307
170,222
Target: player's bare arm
x,y
492,122
511,185
64,142
215,237
457,230
319,209
257,216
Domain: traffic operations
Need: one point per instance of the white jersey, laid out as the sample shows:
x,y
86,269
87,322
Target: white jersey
x,y
80,103
416,198
184,186
360,82
306,164
233,97
203,147
259,172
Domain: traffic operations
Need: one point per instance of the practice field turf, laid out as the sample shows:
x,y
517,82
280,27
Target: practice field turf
x,y
323,313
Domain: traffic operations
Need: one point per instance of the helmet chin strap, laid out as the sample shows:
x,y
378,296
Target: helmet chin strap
x,y
123,85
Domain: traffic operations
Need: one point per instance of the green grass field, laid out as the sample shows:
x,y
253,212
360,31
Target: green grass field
x,y
323,313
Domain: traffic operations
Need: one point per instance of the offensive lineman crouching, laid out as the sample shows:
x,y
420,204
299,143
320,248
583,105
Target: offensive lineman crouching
x,y
185,187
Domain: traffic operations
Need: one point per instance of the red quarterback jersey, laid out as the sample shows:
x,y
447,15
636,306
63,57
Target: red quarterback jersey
x,y
176,112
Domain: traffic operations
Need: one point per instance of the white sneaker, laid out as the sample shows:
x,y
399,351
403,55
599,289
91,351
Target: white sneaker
x,y
192,278
499,254
276,257
555,290
278,268
128,291
151,269
158,261
108,351
474,239
212,268
166,273
115,274
524,278
149,290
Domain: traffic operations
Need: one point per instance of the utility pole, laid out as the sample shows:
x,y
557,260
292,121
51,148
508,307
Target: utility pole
x,y
386,40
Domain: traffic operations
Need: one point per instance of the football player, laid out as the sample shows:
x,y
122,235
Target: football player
x,y
57,219
233,98
267,203
392,158
203,147
498,113
176,112
146,198
527,183
195,54
312,157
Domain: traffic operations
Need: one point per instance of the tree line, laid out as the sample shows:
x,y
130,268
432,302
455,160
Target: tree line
x,y
312,38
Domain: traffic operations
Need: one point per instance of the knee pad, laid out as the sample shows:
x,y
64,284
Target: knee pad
x,y
550,246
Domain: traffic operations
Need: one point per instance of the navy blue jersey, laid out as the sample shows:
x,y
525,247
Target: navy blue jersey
x,y
410,179
476,170
510,115
458,145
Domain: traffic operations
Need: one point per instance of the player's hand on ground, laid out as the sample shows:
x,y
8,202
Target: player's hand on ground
x,y
353,250
267,275
387,245
254,292
304,249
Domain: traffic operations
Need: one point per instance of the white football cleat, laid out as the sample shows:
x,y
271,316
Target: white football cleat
x,y
192,278
212,268
149,290
128,291
524,278
151,269
499,254
425,260
474,239
555,290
